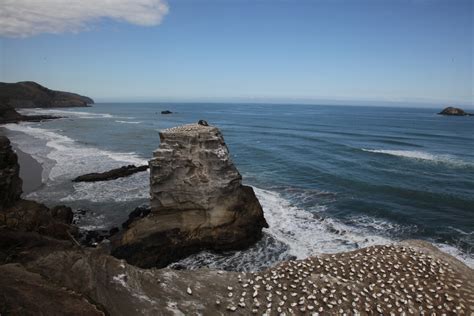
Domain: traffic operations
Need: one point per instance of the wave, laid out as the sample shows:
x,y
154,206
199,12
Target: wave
x,y
296,233
66,113
129,122
293,233
71,159
421,155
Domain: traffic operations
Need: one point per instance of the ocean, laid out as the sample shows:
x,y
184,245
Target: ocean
x,y
329,178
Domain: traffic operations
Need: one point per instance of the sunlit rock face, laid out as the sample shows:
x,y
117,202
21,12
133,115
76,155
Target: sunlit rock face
x,y
197,201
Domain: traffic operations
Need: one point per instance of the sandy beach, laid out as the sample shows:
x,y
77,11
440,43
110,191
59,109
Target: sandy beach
x,y
30,171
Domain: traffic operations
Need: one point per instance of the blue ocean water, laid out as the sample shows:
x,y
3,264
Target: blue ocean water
x,y
330,178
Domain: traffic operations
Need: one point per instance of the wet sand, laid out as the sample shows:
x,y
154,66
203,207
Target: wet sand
x,y
30,171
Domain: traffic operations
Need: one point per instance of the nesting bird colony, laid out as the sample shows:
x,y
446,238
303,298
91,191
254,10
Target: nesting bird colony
x,y
385,280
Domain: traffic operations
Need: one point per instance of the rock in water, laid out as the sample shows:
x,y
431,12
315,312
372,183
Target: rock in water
x,y
113,174
454,111
197,202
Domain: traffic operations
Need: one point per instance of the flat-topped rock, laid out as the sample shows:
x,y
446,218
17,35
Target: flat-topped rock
x,y
197,201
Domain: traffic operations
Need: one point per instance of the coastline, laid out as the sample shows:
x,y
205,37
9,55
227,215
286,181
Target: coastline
x,y
30,170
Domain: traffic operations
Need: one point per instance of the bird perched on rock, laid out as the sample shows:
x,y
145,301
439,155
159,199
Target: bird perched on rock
x,y
203,123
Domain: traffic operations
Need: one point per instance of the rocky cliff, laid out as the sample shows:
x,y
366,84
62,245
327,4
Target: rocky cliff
x,y
197,201
28,94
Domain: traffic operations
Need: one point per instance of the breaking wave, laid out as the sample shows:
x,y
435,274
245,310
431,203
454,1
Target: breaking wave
x,y
421,155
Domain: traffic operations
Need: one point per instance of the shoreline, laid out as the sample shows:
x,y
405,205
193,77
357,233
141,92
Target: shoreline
x,y
30,171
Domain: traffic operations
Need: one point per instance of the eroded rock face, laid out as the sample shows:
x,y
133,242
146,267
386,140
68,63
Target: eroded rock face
x,y
197,201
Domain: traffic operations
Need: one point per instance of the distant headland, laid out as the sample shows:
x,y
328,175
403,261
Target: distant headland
x,y
29,94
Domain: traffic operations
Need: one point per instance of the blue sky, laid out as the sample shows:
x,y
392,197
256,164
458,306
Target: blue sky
x,y
276,51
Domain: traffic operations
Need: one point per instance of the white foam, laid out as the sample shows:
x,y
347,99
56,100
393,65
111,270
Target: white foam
x,y
457,253
65,113
307,234
72,159
129,122
120,190
421,155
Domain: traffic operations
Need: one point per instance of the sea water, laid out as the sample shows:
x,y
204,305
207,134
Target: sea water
x,y
329,178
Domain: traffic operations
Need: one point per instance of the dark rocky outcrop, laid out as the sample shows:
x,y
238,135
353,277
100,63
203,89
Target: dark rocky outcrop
x,y
137,213
113,174
197,202
10,182
28,94
166,112
9,115
454,112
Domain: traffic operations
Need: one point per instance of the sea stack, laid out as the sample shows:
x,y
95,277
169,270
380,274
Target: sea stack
x,y
197,201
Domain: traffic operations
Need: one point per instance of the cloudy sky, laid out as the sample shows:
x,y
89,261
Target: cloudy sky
x,y
227,50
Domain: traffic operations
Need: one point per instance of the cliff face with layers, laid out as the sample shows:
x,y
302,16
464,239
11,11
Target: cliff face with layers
x,y
197,201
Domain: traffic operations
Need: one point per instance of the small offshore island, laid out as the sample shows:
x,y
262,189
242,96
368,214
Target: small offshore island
x,y
198,202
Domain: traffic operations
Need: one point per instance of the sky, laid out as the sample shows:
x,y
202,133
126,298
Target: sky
x,y
378,51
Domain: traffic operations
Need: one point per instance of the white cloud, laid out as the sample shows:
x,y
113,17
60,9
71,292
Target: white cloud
x,y
23,18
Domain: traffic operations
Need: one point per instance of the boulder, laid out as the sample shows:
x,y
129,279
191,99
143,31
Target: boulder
x,y
454,112
166,112
197,202
113,174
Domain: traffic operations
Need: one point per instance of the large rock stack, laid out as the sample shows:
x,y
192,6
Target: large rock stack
x,y
197,201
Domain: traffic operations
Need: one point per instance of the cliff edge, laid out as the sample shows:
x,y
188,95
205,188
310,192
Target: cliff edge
x,y
197,201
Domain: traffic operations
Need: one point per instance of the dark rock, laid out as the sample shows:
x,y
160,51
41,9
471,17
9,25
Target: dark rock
x,y
139,212
203,123
113,231
454,112
113,174
197,202
9,115
28,94
27,293
166,112
10,182
63,213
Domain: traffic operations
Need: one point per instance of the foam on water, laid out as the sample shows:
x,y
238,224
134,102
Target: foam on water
x,y
128,122
125,189
421,155
307,233
66,159
65,113
296,233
